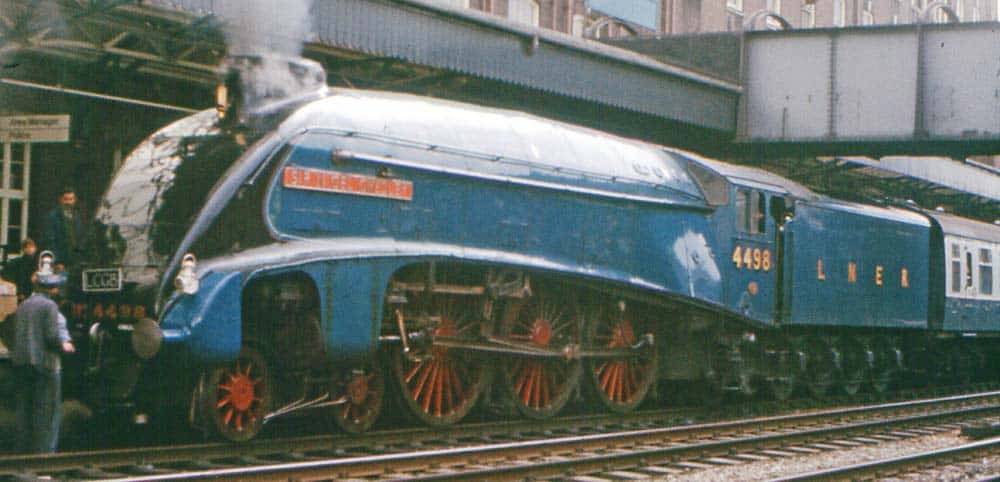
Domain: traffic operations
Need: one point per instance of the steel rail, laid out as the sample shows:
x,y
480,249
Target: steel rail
x,y
535,458
333,442
627,448
899,465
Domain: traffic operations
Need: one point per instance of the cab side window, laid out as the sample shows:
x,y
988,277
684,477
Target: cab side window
x,y
751,209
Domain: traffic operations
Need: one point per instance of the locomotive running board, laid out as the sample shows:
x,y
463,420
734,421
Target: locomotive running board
x,y
567,352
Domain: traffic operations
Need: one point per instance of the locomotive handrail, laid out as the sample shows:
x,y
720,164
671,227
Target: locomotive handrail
x,y
489,157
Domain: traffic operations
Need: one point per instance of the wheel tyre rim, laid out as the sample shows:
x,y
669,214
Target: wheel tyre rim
x,y
540,388
240,397
365,393
441,387
621,383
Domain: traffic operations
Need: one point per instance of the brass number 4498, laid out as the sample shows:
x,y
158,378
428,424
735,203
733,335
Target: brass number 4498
x,y
755,259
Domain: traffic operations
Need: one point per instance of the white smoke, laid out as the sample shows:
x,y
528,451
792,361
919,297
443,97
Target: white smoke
x,y
265,26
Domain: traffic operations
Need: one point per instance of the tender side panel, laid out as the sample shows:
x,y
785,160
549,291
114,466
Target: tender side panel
x,y
853,268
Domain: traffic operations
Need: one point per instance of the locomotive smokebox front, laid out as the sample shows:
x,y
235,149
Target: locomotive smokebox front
x,y
257,90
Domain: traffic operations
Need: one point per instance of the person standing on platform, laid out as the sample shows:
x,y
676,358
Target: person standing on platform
x,y
63,230
20,270
40,337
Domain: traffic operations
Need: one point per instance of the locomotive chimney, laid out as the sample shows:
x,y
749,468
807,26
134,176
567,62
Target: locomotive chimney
x,y
256,88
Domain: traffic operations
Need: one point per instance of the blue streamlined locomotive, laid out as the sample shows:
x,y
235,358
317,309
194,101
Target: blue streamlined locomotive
x,y
327,250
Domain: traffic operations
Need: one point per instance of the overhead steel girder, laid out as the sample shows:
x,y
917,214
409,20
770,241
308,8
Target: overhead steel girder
x,y
163,44
902,87
473,43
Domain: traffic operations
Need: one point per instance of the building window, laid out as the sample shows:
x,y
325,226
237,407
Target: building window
x,y
939,15
839,13
15,168
737,5
523,11
960,10
985,271
455,3
734,15
579,25
867,13
483,5
808,15
775,7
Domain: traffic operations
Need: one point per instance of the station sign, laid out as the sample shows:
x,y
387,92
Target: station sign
x,y
34,128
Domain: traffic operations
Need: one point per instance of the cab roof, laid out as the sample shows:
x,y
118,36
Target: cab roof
x,y
750,176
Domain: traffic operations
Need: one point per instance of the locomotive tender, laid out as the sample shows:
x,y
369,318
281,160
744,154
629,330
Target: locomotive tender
x,y
361,244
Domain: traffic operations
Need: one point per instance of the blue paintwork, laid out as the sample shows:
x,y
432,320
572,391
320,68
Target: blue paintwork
x,y
208,324
659,243
969,315
840,233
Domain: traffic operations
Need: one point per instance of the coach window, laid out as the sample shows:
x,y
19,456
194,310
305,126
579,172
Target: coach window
x,y
968,269
956,268
985,271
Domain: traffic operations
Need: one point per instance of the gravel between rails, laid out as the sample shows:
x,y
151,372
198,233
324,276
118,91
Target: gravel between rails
x,y
778,467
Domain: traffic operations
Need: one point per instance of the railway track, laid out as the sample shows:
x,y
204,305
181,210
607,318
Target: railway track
x,y
566,452
901,466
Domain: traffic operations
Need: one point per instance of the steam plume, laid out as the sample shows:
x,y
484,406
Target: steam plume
x,y
265,26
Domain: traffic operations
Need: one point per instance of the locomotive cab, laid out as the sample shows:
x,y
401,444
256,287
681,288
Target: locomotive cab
x,y
753,209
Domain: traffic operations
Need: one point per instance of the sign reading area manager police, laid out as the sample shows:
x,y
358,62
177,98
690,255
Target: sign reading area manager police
x,y
34,128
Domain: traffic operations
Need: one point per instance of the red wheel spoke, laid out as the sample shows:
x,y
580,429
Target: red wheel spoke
x,y
539,385
439,387
429,393
414,370
449,396
526,394
426,372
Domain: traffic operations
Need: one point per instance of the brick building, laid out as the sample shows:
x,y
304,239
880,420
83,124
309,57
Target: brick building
x,y
624,18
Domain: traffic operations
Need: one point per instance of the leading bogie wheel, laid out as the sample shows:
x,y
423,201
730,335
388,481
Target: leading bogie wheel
x,y
439,385
620,384
541,386
236,396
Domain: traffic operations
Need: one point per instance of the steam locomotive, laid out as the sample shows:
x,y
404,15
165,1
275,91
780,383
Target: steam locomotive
x,y
320,250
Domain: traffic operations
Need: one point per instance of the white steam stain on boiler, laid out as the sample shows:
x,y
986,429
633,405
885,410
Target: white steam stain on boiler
x,y
693,250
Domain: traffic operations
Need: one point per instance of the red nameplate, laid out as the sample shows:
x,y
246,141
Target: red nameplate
x,y
340,182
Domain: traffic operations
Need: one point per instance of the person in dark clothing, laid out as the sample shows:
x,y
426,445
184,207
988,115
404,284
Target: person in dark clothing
x,y
20,270
40,337
63,230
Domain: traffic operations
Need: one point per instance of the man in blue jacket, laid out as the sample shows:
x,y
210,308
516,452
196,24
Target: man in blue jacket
x,y
40,337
